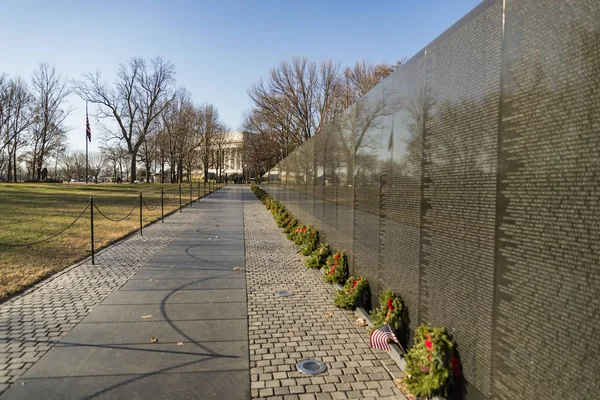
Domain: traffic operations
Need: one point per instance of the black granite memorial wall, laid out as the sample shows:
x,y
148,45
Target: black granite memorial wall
x,y
468,182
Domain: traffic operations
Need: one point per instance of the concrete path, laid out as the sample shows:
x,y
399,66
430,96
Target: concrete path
x,y
176,329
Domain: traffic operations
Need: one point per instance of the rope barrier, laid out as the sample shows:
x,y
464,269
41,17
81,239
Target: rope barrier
x,y
116,220
49,238
148,208
165,197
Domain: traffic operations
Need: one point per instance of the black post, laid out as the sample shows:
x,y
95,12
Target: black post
x,y
191,204
141,226
87,123
162,205
92,225
180,197
204,193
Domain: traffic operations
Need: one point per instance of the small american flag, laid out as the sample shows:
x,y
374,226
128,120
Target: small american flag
x,y
379,338
88,130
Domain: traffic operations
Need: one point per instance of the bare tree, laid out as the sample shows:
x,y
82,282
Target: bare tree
x,y
114,154
73,165
139,95
178,132
48,128
148,151
97,163
15,119
299,99
208,127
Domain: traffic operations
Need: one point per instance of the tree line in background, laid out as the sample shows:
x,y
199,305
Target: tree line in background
x,y
144,121
299,98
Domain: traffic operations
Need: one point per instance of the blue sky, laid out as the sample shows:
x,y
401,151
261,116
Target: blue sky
x,y
219,47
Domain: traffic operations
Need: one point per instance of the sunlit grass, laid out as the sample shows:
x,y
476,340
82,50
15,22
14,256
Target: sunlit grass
x,y
32,212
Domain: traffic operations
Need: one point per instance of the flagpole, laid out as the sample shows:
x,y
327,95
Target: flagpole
x,y
86,143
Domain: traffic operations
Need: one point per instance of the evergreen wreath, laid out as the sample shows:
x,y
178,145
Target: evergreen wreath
x,y
336,268
277,208
318,257
311,240
300,235
291,226
287,220
261,194
431,363
281,218
296,230
388,312
351,291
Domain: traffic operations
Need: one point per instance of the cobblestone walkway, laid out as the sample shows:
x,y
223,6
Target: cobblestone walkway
x,y
32,322
283,331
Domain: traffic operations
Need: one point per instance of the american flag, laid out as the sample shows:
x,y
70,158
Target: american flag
x,y
379,338
88,130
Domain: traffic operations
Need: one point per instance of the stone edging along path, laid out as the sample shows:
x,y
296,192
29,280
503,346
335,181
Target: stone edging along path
x,y
285,330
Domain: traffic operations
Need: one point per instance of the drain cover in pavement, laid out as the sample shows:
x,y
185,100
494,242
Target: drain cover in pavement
x,y
284,293
311,367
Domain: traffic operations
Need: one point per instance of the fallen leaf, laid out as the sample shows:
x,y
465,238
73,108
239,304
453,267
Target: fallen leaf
x,y
153,340
179,343
209,238
228,298
147,316
238,268
329,315
362,322
216,237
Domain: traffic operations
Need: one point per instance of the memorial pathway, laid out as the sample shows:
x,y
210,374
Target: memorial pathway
x,y
188,311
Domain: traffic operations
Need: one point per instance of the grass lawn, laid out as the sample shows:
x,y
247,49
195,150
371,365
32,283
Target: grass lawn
x,y
32,212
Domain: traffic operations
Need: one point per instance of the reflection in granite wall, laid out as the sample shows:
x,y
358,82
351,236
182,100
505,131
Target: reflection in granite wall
x,y
468,182
331,156
319,149
459,186
344,179
308,157
369,126
291,184
547,322
400,206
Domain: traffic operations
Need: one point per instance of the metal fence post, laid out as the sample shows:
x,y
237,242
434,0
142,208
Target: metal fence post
x,y
92,227
180,197
141,225
191,204
162,204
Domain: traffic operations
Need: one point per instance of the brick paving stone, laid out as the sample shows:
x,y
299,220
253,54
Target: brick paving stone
x,y
32,322
286,330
